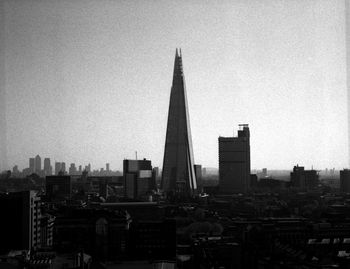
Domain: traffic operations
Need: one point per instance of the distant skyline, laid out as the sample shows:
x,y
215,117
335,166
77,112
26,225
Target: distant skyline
x,y
89,81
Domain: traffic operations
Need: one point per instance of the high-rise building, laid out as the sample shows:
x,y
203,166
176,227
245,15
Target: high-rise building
x,y
72,169
304,179
37,164
178,166
57,167
20,225
63,167
31,165
198,171
47,167
138,178
234,162
107,167
345,180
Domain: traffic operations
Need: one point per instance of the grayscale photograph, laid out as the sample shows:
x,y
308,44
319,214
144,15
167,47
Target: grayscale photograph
x,y
174,134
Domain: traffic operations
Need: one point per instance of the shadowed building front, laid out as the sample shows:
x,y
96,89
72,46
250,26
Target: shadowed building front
x,y
234,162
178,166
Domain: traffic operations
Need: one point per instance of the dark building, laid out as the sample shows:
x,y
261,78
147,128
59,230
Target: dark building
x,y
58,187
178,167
31,165
46,227
57,167
37,164
138,177
101,233
47,167
304,179
20,224
152,240
98,184
345,180
63,167
234,162
198,172
72,169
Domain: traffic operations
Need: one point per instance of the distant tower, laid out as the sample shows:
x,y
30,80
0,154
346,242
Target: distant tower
x,y
31,165
234,162
37,164
57,167
178,165
47,167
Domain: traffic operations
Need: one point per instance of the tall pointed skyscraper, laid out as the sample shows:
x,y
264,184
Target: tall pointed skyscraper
x,y
178,166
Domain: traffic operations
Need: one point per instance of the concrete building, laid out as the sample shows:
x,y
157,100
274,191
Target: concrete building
x,y
198,172
304,179
58,187
31,165
37,164
345,180
57,167
234,162
47,167
72,169
20,224
63,168
178,166
138,177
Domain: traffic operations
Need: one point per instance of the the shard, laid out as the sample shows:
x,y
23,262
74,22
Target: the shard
x,y
178,174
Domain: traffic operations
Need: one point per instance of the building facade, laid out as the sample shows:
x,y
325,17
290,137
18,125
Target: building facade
x,y
178,173
37,164
47,167
345,180
234,162
138,178
304,179
20,225
58,187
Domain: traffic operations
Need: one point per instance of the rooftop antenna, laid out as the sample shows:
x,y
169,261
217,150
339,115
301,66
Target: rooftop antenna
x,y
136,154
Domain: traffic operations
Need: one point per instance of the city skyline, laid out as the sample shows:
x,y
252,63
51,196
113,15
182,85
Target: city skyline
x,y
89,83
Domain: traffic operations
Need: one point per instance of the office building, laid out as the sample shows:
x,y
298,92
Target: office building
x,y
72,169
37,164
304,179
46,227
20,223
198,172
58,187
57,167
31,165
138,178
107,167
178,173
47,167
152,239
345,180
234,162
63,168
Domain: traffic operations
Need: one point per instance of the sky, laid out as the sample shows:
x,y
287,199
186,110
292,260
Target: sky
x,y
89,81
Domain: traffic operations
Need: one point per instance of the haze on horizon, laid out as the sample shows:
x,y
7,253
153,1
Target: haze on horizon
x,y
89,81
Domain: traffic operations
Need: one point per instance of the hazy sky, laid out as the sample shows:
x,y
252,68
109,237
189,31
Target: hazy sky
x,y
89,81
